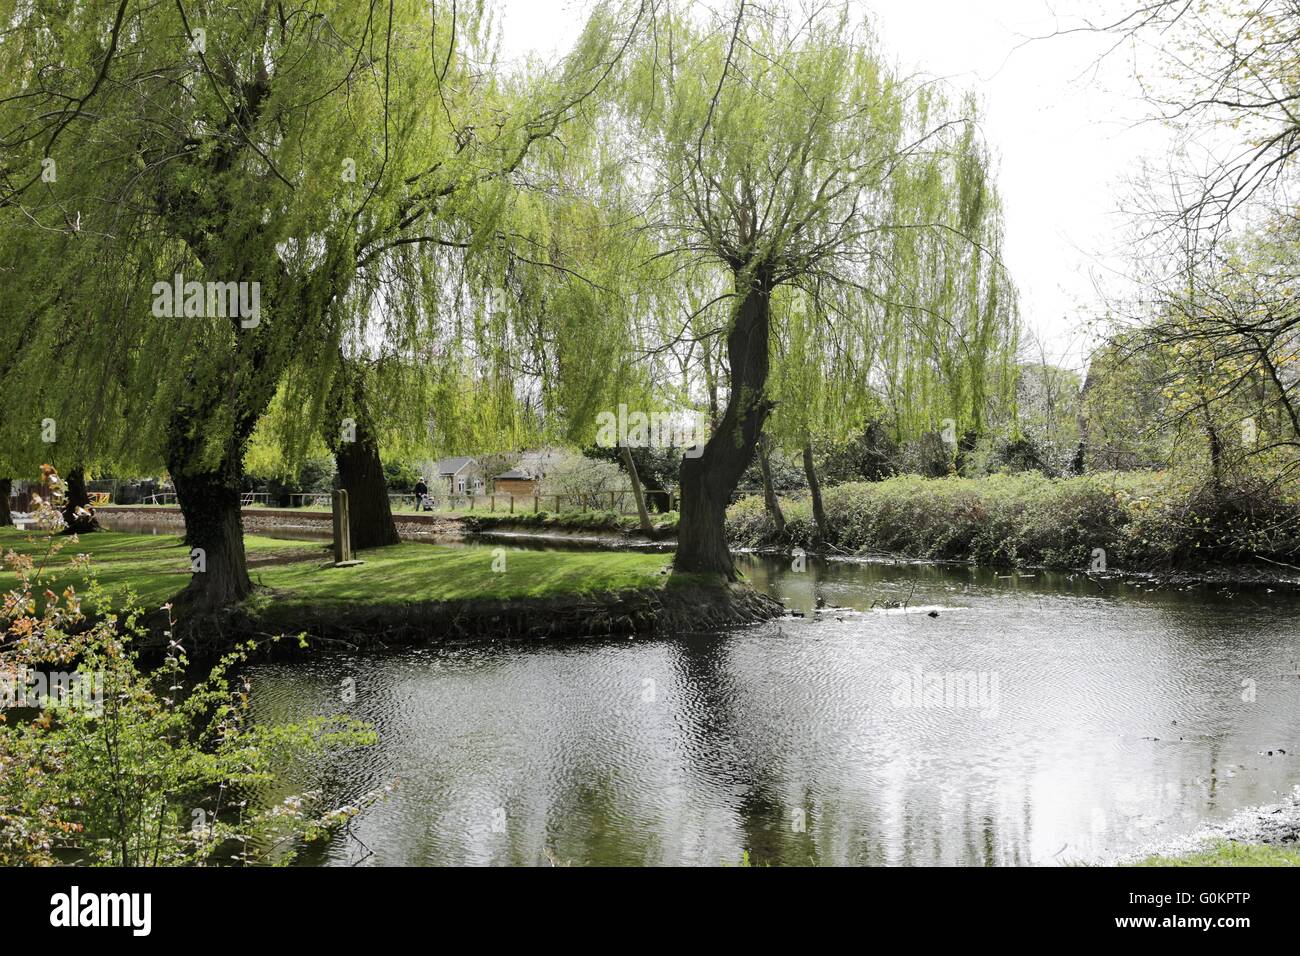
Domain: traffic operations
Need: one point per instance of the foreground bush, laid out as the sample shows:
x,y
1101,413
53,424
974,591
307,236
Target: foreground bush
x,y
104,763
1140,521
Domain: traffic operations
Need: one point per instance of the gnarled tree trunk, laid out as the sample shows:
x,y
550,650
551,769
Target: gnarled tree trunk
x,y
361,475
210,501
708,481
360,470
209,497
6,486
76,497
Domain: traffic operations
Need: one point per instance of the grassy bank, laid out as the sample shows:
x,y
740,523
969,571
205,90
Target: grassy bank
x,y
155,567
1142,521
407,593
480,519
1231,853
568,521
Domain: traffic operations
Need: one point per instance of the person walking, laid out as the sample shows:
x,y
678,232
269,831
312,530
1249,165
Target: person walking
x,y
421,492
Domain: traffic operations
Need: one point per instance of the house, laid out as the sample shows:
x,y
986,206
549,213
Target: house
x,y
461,476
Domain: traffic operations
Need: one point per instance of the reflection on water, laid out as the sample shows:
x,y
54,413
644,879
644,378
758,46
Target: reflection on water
x,y
1033,720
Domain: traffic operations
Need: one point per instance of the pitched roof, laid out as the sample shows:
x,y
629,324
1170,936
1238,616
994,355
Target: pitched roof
x,y
451,466
531,464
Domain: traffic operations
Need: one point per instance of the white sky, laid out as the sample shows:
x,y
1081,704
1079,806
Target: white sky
x,y
1063,124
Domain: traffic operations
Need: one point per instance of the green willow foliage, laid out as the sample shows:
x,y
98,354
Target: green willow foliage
x,y
497,258
319,152
931,332
753,142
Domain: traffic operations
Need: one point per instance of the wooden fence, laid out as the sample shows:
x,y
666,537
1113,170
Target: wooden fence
x,y
620,501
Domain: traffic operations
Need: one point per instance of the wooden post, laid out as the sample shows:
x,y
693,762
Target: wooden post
x,y
512,504
342,532
646,527
537,504
493,505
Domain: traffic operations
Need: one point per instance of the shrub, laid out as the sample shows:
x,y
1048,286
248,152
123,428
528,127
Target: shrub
x,y
1141,520
149,770
586,482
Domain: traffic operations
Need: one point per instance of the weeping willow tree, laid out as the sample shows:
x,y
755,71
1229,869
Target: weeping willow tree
x,y
928,337
291,156
434,356
780,157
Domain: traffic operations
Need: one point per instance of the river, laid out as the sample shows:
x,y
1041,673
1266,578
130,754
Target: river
x,y
1028,720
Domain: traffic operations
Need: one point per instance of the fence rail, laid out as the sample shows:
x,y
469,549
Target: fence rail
x,y
619,500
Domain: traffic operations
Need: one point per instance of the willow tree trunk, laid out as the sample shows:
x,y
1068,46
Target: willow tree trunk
x,y
361,475
75,495
355,444
646,528
6,486
770,500
708,481
210,502
815,492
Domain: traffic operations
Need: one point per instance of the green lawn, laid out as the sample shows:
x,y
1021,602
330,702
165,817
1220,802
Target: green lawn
x,y
157,566
1229,853
407,573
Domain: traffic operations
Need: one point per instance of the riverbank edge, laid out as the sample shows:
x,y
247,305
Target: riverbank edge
x,y
674,609
1234,576
1149,525
1274,825
413,526
423,525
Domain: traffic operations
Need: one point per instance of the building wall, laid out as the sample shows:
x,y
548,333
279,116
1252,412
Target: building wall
x,y
474,484
519,487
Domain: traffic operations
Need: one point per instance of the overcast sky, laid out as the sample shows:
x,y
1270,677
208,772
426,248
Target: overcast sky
x,y
1062,119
